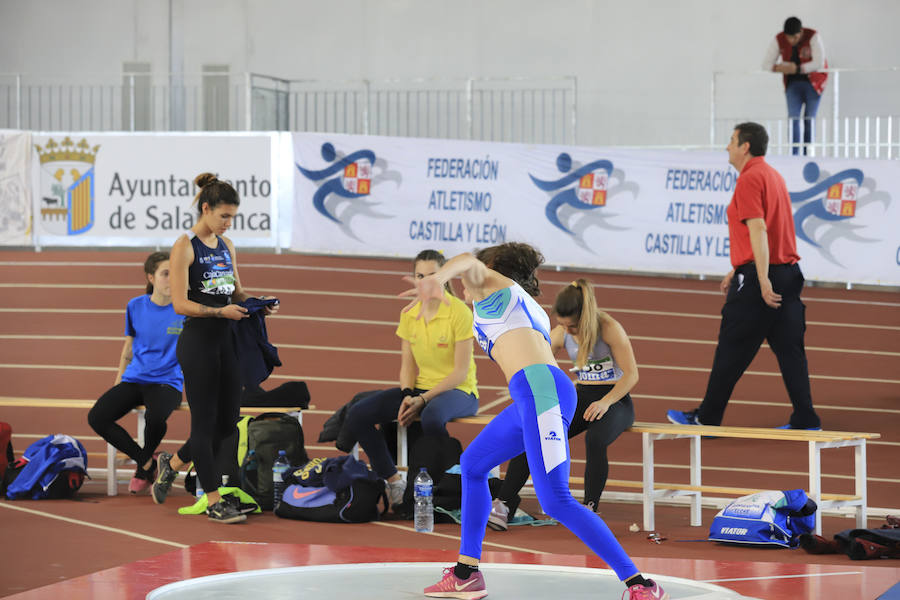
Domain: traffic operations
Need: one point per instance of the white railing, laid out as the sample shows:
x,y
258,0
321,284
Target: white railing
x,y
123,102
523,110
847,137
858,116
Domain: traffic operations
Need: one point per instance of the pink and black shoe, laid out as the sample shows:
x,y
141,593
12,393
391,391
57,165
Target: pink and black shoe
x,y
452,586
142,480
645,592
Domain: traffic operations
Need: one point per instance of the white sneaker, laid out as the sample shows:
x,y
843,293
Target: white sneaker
x,y
395,490
499,516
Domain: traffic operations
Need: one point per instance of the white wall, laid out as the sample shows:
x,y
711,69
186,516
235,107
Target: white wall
x,y
643,67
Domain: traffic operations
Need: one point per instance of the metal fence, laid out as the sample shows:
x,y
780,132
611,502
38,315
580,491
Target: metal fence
x,y
858,113
135,102
847,137
507,110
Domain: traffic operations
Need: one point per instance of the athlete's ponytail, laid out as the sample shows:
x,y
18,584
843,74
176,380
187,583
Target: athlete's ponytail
x,y
577,301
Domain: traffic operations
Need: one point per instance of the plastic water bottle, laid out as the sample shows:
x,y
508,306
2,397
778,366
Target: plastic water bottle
x,y
423,509
279,469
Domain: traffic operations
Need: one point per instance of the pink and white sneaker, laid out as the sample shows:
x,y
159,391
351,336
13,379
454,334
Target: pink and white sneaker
x,y
452,586
640,592
138,485
142,480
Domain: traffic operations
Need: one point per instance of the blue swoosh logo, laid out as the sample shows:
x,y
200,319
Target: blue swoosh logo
x,y
334,186
549,186
338,166
568,196
817,209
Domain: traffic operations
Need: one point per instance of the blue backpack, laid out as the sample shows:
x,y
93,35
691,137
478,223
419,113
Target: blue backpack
x,y
52,467
765,518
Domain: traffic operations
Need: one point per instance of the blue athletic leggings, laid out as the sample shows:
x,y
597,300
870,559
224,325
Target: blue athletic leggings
x,y
536,423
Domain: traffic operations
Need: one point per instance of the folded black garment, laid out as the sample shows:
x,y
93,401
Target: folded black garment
x,y
291,394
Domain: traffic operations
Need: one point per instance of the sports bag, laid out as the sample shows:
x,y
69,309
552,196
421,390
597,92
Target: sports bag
x,y
765,518
52,467
265,434
347,492
357,503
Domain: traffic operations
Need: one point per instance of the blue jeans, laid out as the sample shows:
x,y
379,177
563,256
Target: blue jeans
x,y
801,94
383,406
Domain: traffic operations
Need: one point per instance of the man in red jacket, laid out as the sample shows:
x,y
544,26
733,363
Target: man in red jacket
x,y
798,54
763,289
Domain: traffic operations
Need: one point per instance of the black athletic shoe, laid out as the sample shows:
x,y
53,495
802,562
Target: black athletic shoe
x,y
245,508
224,512
164,480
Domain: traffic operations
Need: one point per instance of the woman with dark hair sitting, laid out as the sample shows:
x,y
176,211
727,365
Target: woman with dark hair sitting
x,y
148,375
437,376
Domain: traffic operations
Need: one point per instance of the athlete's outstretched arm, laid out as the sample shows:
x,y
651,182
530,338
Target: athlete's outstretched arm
x,y
477,278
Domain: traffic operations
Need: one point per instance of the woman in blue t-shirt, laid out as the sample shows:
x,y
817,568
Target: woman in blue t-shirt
x,y
148,375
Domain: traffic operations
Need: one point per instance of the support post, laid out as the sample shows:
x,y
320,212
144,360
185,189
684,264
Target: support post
x,y
697,496
815,481
649,516
112,482
861,490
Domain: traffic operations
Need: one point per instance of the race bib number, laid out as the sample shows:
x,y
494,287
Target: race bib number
x,y
221,284
602,369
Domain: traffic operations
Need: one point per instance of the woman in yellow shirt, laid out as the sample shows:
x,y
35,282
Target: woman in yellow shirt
x,y
437,377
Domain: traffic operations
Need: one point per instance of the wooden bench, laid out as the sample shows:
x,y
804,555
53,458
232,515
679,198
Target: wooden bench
x,y
112,457
653,490
816,442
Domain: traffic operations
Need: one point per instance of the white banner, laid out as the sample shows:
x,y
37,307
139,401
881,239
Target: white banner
x,y
98,189
614,209
846,216
15,191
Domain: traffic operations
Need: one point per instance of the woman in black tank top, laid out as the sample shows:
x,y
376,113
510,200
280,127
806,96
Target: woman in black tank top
x,y
206,289
604,409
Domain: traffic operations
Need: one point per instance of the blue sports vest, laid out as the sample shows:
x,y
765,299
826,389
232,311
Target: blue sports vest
x,y
211,275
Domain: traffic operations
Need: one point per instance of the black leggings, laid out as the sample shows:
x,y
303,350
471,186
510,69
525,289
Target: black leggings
x,y
158,398
600,434
212,385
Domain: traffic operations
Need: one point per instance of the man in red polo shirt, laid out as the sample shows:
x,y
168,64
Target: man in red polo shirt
x,y
763,289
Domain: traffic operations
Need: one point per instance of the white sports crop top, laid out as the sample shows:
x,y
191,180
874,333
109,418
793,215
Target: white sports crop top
x,y
504,310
